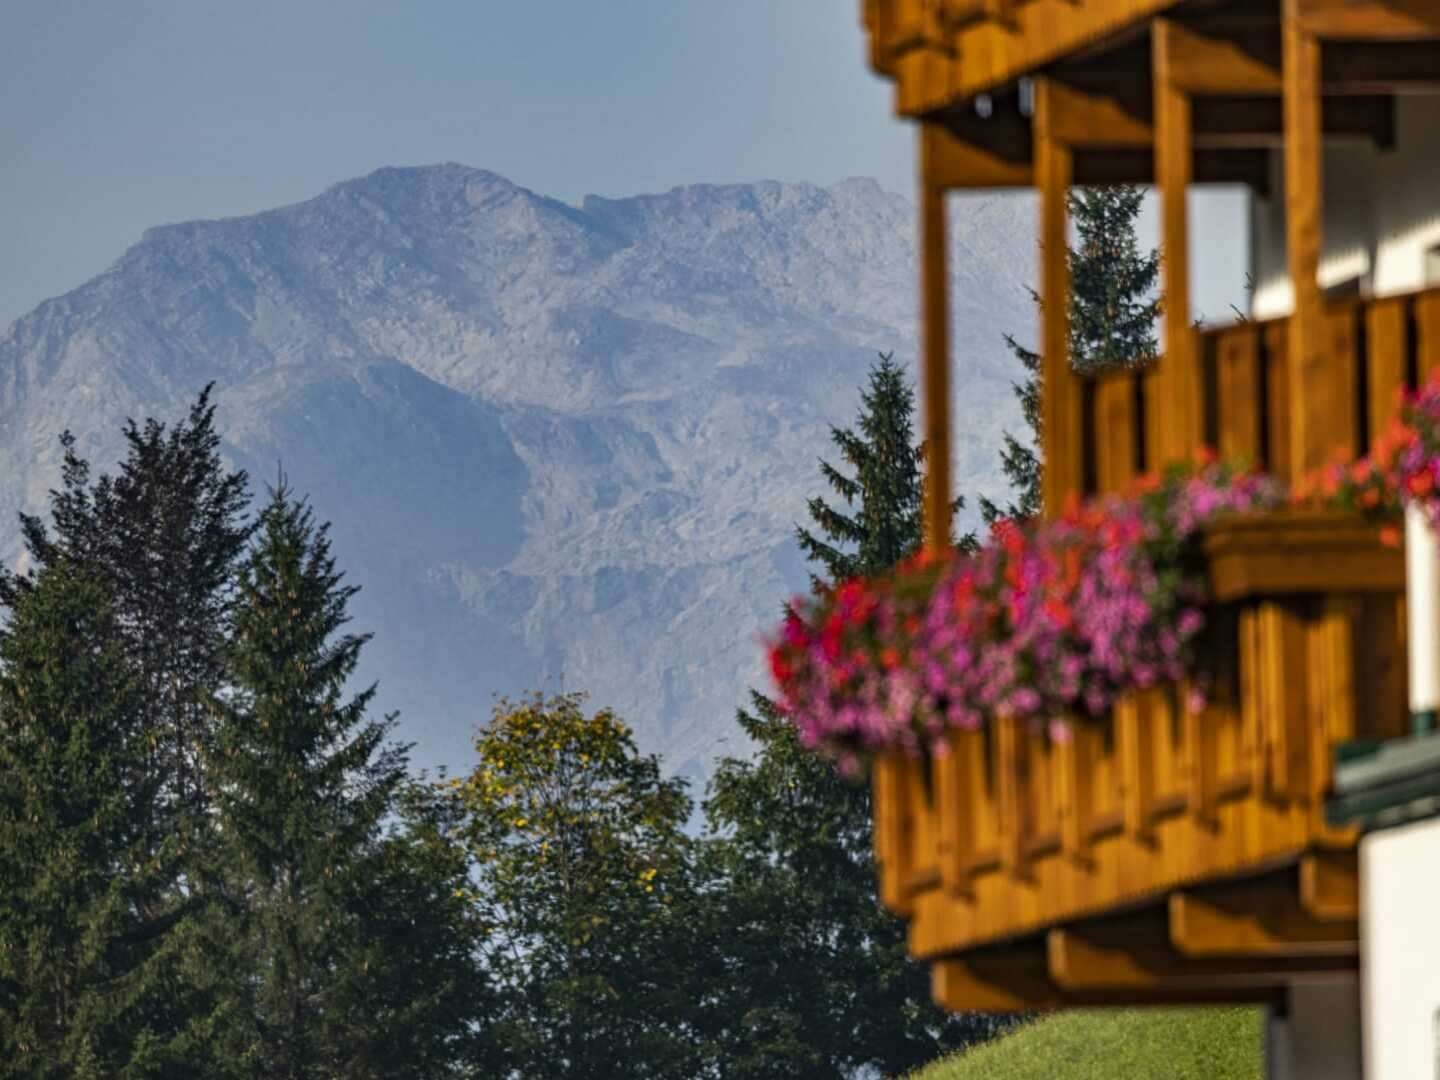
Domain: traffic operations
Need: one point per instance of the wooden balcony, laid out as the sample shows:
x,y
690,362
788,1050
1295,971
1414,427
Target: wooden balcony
x,y
1163,855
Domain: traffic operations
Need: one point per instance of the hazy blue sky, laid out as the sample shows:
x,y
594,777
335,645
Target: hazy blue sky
x,y
122,114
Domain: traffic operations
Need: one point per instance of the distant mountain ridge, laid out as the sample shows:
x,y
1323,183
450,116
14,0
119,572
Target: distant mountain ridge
x,y
559,444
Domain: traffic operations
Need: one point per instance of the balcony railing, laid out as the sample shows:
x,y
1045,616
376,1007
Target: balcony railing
x,y
1162,853
1376,348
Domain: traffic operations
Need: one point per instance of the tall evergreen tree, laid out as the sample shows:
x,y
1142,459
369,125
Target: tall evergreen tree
x,y
303,781
163,536
92,934
1113,310
815,970
883,494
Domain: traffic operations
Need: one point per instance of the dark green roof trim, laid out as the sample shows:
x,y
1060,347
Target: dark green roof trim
x,y
1382,784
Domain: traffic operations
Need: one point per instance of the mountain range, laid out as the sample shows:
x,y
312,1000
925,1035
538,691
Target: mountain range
x,y
563,447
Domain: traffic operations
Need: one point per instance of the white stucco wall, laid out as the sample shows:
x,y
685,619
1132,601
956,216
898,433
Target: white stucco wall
x,y
1400,952
1382,214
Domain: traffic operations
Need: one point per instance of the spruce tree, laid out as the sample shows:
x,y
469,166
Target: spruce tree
x,y
303,781
92,934
886,482
163,536
1113,310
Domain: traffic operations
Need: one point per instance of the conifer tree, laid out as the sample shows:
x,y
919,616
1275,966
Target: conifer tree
x,y
92,934
163,536
303,781
886,482
1113,309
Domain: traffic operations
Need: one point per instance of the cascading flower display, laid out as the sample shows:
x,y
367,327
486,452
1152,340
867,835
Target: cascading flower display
x,y
1044,621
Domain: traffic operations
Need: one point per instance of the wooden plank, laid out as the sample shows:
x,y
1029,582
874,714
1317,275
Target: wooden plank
x,y
1330,692
1252,699
1300,551
1330,885
1115,431
1134,740
1136,953
1359,20
1198,64
1011,790
1427,327
1054,165
1342,382
957,806
988,54
1202,787
1092,121
1075,768
1255,919
1238,390
892,840
935,353
952,163
1278,456
1283,703
1385,335
1311,387
1184,385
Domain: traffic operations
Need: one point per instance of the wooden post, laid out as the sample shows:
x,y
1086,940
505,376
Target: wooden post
x,y
1311,395
1183,385
1054,171
935,346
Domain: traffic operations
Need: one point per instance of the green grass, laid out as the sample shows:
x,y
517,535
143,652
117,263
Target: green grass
x,y
1119,1044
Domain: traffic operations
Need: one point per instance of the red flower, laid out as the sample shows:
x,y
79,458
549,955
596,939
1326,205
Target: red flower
x,y
780,667
890,658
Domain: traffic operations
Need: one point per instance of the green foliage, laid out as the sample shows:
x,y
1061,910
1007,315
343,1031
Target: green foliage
x,y
91,931
1138,1044
819,980
1113,310
581,870
886,482
163,536
303,780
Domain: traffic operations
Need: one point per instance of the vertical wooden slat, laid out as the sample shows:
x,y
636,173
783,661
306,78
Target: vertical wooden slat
x,y
1342,380
891,834
1317,400
1201,730
1115,433
1134,742
1151,392
1074,773
1011,793
1283,701
1279,411
1238,390
958,807
1331,687
1385,335
935,346
1427,326
1174,169
1054,170
1252,699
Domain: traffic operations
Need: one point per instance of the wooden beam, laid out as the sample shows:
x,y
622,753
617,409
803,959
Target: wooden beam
x,y
1259,919
1303,226
1198,64
1135,952
957,164
1183,383
1260,122
1091,121
1384,20
1061,405
1330,885
935,345
990,54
